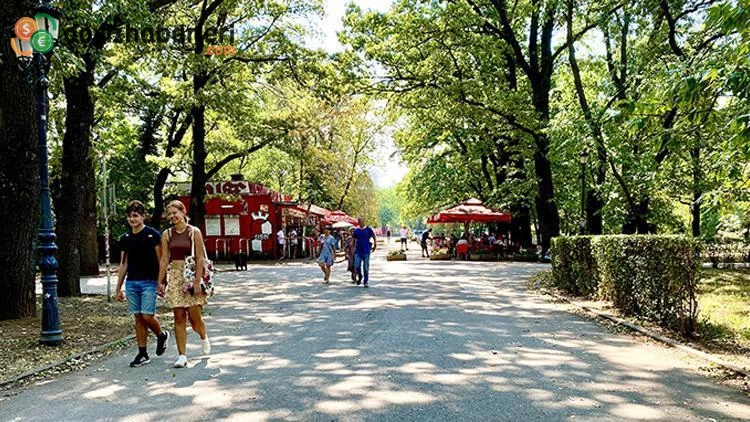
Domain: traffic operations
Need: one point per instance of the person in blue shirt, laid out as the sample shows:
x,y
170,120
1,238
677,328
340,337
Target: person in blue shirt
x,y
327,252
362,249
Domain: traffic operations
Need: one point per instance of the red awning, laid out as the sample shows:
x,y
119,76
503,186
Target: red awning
x,y
339,215
470,211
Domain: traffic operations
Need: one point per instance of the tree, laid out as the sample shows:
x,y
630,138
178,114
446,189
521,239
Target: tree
x,y
76,204
19,178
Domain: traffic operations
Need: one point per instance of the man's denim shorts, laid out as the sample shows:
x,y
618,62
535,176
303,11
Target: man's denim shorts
x,y
141,296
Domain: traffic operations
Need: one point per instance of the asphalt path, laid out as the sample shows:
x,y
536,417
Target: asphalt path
x,y
428,341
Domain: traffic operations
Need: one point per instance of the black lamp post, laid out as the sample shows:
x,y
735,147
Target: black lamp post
x,y
582,223
33,48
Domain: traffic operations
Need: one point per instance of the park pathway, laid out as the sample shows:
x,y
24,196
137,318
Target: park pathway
x,y
428,341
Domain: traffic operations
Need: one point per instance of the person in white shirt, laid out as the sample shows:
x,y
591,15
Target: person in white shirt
x,y
281,240
403,233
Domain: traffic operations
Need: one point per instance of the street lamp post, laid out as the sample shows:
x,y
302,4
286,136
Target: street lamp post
x,y
33,46
583,227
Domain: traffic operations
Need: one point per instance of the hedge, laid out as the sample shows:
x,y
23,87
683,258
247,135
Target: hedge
x,y
653,277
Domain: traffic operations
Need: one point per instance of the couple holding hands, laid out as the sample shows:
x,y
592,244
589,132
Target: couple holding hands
x,y
152,264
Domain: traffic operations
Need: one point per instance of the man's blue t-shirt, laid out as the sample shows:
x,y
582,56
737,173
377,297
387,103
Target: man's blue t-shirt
x,y
362,237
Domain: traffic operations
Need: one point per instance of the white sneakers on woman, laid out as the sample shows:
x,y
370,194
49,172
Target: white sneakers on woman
x,y
205,346
181,361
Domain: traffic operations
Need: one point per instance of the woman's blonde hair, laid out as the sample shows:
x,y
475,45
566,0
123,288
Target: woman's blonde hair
x,y
179,205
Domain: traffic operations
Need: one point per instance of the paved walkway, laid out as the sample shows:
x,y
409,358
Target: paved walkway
x,y
429,341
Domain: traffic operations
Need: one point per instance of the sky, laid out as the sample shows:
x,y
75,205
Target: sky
x,y
389,170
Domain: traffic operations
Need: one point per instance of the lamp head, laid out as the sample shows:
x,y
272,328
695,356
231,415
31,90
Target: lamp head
x,y
21,48
48,18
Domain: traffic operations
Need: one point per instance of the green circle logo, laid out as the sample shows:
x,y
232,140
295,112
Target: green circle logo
x,y
42,41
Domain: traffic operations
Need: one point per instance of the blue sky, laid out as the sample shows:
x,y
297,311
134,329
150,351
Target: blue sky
x,y
389,171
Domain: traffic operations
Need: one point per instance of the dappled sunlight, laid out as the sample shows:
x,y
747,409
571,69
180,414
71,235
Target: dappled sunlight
x,y
109,391
429,340
338,353
445,379
374,400
272,318
629,410
271,362
417,368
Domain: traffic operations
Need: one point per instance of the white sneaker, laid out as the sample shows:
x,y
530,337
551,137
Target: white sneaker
x,y
181,361
205,345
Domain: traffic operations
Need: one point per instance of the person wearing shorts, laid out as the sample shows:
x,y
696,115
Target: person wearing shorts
x,y
403,233
327,253
140,250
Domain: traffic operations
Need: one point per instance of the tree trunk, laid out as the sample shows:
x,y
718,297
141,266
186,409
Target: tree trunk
x,y
161,181
549,219
636,220
19,179
89,243
594,205
73,186
521,226
198,184
174,140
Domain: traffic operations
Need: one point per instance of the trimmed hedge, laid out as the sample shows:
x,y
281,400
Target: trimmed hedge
x,y
573,267
653,277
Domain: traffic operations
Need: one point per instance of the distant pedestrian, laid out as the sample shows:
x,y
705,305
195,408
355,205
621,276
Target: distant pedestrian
x,y
424,240
362,249
186,299
327,253
281,240
139,264
403,233
388,236
349,252
293,240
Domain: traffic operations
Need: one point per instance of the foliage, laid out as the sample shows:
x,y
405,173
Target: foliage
x,y
656,100
391,206
574,265
653,277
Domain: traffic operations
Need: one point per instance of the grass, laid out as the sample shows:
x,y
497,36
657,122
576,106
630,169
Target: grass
x,y
87,322
724,307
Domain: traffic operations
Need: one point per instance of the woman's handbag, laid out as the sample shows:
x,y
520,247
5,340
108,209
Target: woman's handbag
x,y
207,285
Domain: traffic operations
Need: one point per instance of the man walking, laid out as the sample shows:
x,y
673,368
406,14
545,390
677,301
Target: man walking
x,y
402,234
362,249
424,239
139,264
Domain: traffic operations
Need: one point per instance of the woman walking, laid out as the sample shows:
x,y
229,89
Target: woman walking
x,y
185,297
327,253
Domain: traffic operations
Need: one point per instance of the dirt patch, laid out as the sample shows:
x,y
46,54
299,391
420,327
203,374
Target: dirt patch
x,y
87,322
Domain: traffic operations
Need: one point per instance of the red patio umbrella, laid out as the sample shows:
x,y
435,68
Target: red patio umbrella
x,y
470,211
339,215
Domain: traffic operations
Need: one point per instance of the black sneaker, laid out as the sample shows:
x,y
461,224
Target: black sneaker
x,y
162,341
367,285
140,360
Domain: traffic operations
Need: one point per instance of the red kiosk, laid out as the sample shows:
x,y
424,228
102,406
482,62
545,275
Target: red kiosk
x,y
244,217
